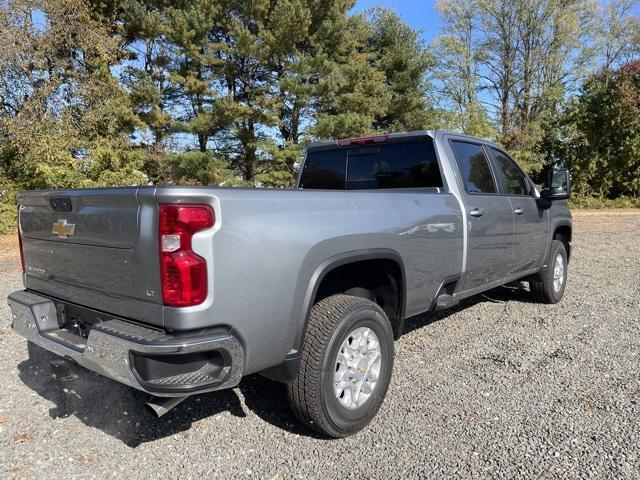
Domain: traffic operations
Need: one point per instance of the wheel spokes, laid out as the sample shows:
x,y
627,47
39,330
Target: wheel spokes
x,y
357,367
373,358
355,393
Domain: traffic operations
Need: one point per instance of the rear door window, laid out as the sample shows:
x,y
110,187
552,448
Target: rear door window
x,y
474,167
410,164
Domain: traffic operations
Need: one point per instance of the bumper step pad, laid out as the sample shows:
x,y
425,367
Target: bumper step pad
x,y
184,379
112,344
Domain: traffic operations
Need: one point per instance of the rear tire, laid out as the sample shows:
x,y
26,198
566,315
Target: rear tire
x,y
345,367
552,279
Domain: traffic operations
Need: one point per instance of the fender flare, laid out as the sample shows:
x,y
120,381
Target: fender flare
x,y
553,227
286,372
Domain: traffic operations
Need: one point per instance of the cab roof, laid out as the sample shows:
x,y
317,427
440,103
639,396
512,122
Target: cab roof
x,y
390,137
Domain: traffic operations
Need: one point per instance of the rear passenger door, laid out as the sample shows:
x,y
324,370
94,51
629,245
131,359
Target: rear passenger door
x,y
489,216
530,223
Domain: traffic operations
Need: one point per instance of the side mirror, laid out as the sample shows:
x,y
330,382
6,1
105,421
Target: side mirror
x,y
558,185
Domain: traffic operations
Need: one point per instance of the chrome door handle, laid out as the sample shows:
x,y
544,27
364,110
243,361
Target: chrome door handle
x,y
519,211
476,212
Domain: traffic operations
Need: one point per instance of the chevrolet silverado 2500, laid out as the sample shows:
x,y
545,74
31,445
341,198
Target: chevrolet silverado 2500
x,y
180,290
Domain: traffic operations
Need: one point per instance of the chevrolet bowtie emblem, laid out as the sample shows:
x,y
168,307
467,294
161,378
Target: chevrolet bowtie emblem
x,y
63,229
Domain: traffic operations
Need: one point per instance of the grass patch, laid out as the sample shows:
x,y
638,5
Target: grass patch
x,y
597,203
8,220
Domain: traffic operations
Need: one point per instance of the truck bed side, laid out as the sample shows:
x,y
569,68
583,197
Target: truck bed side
x,y
270,244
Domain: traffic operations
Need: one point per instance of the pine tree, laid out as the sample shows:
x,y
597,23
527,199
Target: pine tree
x,y
194,29
398,52
146,73
353,92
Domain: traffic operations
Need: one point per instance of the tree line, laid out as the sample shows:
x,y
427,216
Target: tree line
x,y
555,82
120,92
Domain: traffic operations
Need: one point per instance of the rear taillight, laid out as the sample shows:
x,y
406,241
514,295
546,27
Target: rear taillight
x,y
20,243
183,272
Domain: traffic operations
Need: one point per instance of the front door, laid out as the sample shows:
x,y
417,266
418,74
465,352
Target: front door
x,y
489,217
530,222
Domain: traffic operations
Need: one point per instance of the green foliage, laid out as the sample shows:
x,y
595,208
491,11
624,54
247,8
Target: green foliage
x,y
281,171
352,92
506,67
399,53
8,217
578,201
202,168
601,135
65,119
8,223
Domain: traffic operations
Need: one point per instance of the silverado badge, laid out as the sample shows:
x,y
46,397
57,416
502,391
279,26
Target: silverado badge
x,y
63,229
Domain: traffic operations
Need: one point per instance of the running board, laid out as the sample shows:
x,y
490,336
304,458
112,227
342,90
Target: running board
x,y
445,301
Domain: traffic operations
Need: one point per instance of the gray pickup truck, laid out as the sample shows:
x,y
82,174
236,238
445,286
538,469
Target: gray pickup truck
x,y
181,290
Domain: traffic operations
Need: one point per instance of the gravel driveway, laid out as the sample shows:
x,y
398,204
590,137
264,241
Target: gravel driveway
x,y
498,388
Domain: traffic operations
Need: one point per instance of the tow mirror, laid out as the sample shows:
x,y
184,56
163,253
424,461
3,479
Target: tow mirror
x,y
558,185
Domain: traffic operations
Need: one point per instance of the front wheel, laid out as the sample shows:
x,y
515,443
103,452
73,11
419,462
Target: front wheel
x,y
552,279
345,367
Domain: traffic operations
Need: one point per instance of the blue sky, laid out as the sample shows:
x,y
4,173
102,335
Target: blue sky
x,y
420,14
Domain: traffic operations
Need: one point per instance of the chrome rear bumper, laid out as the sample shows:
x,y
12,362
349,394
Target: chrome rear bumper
x,y
120,350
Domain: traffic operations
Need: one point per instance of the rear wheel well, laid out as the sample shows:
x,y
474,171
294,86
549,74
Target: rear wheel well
x,y
379,280
563,234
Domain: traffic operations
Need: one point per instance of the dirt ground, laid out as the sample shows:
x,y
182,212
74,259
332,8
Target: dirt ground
x,y
9,254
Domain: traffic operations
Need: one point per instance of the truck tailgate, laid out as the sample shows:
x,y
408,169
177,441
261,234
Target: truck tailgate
x,y
94,247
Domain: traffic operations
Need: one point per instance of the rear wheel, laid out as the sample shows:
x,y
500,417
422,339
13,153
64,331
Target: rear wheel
x,y
552,279
345,368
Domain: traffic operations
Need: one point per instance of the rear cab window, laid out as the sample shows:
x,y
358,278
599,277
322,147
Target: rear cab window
x,y
393,165
325,170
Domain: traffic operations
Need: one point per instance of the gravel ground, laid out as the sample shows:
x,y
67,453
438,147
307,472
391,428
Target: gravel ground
x,y
498,388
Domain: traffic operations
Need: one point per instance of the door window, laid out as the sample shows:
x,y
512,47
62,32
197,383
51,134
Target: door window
x,y
513,180
474,167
